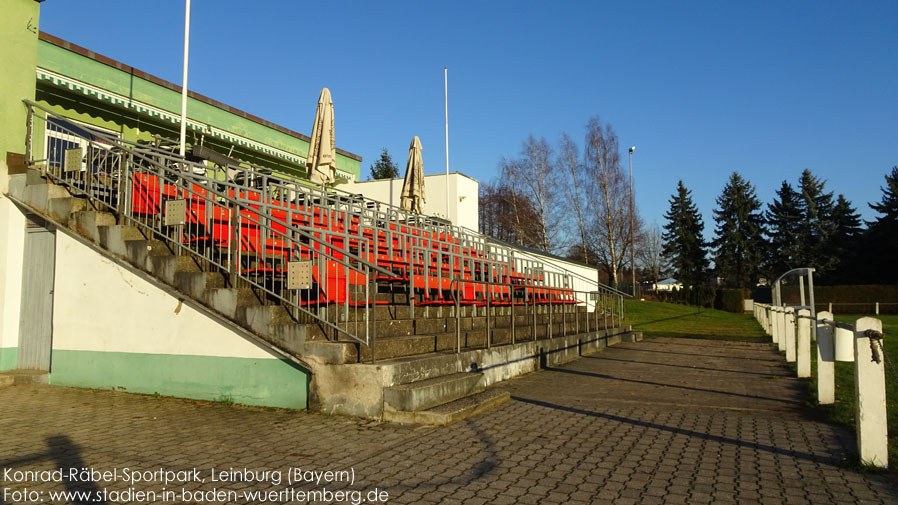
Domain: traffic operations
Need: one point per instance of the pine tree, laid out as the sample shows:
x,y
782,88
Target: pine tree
x,y
881,241
738,246
783,218
816,225
844,241
684,245
384,168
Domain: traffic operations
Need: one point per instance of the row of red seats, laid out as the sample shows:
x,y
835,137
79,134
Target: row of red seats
x,y
415,256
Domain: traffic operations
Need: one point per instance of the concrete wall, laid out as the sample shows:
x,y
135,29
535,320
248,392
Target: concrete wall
x,y
12,234
114,329
463,193
18,52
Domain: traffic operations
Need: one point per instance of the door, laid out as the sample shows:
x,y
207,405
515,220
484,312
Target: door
x,y
36,315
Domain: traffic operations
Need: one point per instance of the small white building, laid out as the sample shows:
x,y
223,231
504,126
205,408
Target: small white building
x,y
463,196
669,284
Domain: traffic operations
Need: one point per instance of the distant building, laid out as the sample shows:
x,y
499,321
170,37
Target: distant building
x,y
669,284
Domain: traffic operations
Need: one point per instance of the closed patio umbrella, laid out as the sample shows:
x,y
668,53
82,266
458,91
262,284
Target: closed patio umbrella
x,y
413,186
322,161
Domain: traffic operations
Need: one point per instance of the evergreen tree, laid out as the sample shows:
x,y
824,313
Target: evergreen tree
x,y
684,245
844,241
816,226
738,246
881,241
783,218
384,168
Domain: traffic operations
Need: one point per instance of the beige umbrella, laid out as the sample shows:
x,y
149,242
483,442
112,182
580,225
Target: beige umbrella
x,y
413,187
322,160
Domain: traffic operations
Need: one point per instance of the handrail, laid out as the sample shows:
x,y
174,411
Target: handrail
x,y
335,227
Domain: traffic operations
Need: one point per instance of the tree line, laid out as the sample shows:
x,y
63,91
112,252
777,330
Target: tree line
x,y
804,226
575,202
566,200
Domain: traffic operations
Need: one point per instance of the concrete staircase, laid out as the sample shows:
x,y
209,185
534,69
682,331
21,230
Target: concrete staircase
x,y
415,374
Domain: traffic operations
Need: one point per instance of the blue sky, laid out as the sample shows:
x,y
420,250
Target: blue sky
x,y
701,88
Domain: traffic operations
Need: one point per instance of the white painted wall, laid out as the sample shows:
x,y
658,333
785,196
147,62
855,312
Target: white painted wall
x,y
12,247
100,306
585,278
463,193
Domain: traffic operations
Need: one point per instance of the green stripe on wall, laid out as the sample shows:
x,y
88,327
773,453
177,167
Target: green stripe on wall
x,y
264,382
8,358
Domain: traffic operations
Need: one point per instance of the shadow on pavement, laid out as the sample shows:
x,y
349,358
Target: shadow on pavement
x,y
830,459
599,356
650,383
67,455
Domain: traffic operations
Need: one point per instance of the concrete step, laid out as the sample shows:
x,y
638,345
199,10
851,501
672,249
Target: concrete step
x,y
113,238
62,209
195,284
22,377
453,411
38,195
232,303
138,252
166,267
424,394
17,183
87,223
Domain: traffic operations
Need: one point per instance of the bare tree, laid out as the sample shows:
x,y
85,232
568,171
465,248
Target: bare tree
x,y
508,216
649,253
569,162
536,175
611,227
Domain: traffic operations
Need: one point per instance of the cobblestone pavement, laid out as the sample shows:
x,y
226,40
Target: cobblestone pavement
x,y
659,421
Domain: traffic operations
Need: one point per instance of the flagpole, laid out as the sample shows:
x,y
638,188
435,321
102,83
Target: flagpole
x,y
184,84
446,96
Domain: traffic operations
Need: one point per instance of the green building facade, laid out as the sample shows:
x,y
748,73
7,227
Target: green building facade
x,y
124,101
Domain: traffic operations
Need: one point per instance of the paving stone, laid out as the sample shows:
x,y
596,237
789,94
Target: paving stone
x,y
660,421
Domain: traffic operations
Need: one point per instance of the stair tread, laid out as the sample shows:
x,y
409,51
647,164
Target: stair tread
x,y
436,380
470,402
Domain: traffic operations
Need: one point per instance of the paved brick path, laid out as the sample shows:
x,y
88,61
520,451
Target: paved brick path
x,y
659,421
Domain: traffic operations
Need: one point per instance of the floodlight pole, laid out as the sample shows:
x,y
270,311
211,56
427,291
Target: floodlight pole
x,y
446,103
632,237
181,147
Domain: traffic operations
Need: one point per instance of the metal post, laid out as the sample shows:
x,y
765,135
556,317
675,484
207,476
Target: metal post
x,y
632,237
184,82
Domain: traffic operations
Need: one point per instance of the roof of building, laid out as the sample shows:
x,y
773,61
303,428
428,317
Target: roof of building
x,y
52,39
670,281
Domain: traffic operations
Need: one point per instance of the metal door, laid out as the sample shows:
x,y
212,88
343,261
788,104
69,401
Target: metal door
x,y
36,315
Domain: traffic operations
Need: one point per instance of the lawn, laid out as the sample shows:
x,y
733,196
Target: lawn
x,y
843,411
656,319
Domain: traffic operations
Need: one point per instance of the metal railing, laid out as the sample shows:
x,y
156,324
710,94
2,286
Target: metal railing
x,y
253,226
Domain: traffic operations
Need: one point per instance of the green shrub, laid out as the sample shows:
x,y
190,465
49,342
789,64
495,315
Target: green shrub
x,y
730,300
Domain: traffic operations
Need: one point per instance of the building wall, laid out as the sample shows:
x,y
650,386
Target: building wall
x,y
12,229
115,330
19,26
463,193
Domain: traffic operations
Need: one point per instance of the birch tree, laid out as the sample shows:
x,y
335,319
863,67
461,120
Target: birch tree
x,y
569,162
611,198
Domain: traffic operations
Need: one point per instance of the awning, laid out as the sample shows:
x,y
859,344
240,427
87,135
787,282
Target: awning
x,y
174,118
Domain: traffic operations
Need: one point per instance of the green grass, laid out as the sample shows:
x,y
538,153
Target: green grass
x,y
844,410
656,319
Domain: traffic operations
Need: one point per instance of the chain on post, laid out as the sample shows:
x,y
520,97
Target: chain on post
x,y
876,348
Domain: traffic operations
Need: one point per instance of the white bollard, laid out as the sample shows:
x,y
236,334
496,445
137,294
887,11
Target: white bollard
x,y
826,354
774,326
844,344
781,328
803,335
870,387
789,321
